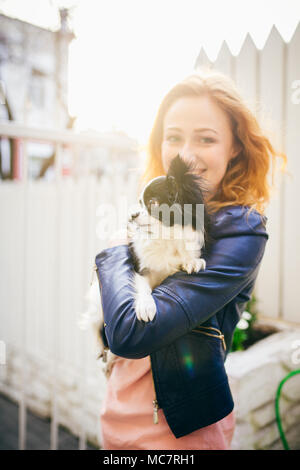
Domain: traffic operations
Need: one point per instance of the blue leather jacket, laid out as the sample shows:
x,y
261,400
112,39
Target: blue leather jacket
x,y
191,334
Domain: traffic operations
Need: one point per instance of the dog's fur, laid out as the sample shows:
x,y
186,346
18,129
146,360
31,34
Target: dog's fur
x,y
159,245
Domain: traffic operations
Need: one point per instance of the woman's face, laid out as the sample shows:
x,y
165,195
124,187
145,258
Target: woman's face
x,y
197,129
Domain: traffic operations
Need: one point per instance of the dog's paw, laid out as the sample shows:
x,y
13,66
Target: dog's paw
x,y
194,266
145,308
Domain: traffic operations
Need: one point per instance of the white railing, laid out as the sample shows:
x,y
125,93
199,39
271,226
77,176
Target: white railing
x,y
48,247
269,80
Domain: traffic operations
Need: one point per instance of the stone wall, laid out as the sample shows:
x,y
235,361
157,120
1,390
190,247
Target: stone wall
x,y
254,376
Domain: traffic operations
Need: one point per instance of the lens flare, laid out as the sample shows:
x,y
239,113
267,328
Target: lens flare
x,y
188,360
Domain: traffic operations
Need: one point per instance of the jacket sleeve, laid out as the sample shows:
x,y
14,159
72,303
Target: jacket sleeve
x,y
182,300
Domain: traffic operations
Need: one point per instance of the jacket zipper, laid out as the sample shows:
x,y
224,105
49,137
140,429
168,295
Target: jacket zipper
x,y
154,402
220,335
155,411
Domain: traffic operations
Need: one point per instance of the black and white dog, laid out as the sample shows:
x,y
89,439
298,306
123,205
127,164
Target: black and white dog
x,y
165,234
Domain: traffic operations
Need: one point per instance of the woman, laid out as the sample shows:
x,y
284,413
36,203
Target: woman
x,y
168,388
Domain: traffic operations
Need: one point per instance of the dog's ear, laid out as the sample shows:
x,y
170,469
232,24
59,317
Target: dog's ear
x,y
172,188
178,168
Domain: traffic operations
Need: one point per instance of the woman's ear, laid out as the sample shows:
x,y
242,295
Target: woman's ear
x,y
235,153
237,148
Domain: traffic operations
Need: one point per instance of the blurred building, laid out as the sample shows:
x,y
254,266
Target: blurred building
x,y
34,72
33,87
34,93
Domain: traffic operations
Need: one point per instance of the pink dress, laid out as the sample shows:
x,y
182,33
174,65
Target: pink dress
x,y
127,415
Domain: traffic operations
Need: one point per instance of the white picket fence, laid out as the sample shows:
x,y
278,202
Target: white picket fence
x,y
269,79
49,242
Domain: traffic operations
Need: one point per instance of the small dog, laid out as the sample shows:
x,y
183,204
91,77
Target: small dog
x,y
165,235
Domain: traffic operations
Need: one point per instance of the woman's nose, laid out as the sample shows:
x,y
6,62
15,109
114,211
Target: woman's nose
x,y
188,150
188,157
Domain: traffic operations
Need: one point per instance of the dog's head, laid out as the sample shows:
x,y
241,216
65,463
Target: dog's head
x,y
175,198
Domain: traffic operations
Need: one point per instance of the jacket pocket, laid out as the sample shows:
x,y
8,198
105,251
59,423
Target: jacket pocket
x,y
211,331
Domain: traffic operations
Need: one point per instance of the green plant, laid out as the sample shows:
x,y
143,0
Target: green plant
x,y
244,327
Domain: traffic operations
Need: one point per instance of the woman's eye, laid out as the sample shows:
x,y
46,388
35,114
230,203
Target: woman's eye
x,y
172,138
206,140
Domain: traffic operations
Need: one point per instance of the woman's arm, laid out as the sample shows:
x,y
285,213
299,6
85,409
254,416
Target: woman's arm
x,y
183,301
